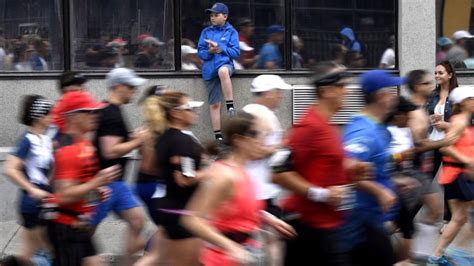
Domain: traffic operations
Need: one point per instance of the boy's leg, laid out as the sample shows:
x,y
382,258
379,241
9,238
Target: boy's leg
x,y
224,73
214,99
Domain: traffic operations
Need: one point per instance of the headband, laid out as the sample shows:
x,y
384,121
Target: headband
x,y
40,108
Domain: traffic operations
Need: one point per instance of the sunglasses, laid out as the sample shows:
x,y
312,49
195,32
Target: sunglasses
x,y
251,133
426,83
89,112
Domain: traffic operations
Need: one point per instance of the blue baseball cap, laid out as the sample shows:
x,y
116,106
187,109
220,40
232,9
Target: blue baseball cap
x,y
443,41
375,80
275,29
218,8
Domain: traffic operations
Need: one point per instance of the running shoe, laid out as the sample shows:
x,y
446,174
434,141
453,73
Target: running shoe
x,y
459,257
438,261
231,112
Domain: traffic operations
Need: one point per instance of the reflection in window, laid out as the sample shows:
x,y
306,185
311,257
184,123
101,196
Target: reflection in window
x,y
455,25
259,23
30,35
356,33
130,33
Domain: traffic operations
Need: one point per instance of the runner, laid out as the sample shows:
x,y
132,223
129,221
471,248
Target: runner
x,y
228,199
178,155
366,138
148,182
315,172
268,91
113,144
77,184
29,167
457,170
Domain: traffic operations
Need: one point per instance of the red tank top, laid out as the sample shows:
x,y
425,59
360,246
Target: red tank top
x,y
464,145
240,213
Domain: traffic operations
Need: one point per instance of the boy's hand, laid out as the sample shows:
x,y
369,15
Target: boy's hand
x,y
214,50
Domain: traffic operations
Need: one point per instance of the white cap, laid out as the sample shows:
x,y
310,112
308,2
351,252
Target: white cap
x,y
461,34
186,49
194,104
269,82
124,76
460,94
244,47
149,41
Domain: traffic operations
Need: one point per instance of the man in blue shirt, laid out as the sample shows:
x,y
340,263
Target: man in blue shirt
x,y
367,139
270,56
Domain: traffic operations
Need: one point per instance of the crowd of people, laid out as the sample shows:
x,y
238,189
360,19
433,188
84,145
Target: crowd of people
x,y
314,194
29,52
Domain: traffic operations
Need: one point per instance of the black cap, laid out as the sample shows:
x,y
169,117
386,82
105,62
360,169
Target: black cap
x,y
405,106
72,78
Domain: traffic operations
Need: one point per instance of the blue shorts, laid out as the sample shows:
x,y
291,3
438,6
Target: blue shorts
x,y
121,199
145,191
214,87
30,209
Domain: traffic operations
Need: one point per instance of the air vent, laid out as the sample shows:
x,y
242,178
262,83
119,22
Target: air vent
x,y
303,96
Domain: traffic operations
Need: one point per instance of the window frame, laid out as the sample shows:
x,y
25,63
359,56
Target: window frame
x,y
66,17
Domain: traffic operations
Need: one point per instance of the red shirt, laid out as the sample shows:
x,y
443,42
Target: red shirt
x,y
77,161
318,157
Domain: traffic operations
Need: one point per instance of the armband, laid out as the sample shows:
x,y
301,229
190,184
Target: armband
x,y
280,161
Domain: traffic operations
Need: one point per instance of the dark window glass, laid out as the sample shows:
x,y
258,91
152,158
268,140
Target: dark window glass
x,y
455,26
356,33
30,35
130,33
260,26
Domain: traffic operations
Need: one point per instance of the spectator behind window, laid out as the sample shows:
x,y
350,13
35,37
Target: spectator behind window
x,y
148,55
246,29
270,56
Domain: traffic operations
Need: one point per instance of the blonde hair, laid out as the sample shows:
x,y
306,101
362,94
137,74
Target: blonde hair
x,y
154,115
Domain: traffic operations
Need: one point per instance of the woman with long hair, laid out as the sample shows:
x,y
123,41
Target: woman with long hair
x,y
178,159
29,167
457,172
439,108
149,184
225,211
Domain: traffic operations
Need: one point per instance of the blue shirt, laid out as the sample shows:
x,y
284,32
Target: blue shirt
x,y
269,53
368,140
36,151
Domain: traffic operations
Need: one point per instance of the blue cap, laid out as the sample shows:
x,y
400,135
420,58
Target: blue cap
x,y
375,80
218,8
275,29
443,41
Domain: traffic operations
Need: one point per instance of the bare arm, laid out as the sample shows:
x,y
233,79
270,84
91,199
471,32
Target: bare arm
x,y
418,124
71,190
292,181
211,192
112,147
14,170
454,133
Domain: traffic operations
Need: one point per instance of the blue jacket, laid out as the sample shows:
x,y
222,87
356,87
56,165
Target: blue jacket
x,y
228,40
433,101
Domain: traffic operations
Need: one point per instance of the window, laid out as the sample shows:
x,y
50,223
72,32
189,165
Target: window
x,y
30,35
130,33
455,25
357,33
260,25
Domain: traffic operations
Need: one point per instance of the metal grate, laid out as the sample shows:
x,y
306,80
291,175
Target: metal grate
x,y
303,96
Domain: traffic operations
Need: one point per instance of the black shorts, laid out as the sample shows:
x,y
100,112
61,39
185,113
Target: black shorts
x,y
405,220
170,221
315,246
454,190
376,250
273,209
31,220
70,245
